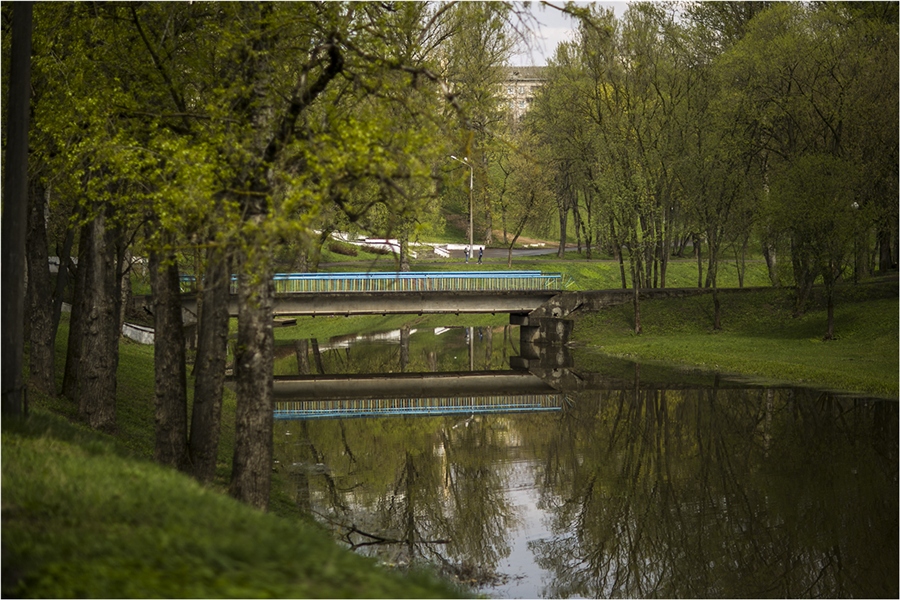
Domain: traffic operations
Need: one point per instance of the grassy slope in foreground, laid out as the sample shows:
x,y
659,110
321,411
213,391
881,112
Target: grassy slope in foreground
x,y
83,518
760,338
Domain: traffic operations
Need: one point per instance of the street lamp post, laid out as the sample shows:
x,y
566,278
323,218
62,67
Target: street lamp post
x,y
465,161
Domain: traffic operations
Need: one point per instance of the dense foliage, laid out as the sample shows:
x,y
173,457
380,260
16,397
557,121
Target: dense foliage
x,y
730,126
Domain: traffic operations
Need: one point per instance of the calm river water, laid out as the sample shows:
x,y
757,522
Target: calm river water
x,y
619,486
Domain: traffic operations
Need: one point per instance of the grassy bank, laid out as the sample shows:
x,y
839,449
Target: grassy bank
x,y
90,515
760,338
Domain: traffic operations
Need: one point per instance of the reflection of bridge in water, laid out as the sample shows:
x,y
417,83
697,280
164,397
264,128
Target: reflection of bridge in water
x,y
427,394
413,394
419,407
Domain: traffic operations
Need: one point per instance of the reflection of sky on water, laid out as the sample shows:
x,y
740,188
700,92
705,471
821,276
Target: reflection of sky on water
x,y
525,577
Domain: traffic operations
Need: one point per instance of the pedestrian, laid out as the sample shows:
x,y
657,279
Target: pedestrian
x,y
480,254
467,254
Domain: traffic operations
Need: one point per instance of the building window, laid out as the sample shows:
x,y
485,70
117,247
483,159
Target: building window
x,y
521,90
521,104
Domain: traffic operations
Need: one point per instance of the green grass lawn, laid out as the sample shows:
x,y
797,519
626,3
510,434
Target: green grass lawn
x,y
759,337
82,517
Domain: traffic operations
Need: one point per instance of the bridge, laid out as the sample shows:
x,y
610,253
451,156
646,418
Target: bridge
x,y
416,292
534,300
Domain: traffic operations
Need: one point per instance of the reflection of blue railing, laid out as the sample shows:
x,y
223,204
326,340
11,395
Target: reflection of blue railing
x,y
392,407
412,281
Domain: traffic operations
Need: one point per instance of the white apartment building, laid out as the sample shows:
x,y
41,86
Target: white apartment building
x,y
519,88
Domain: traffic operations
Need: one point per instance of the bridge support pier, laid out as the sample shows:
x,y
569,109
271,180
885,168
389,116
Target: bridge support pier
x,y
542,342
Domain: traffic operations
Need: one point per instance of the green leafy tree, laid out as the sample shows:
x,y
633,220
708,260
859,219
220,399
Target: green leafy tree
x,y
224,128
479,43
805,82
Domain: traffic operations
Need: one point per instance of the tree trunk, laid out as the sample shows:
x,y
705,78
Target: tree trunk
x,y
740,260
717,309
712,267
636,297
62,278
770,254
317,356
404,348
169,364
587,228
886,260
510,249
15,211
619,255
488,224
697,253
830,277
301,350
404,251
253,370
804,277
209,368
663,262
40,296
124,275
80,306
563,207
576,216
99,329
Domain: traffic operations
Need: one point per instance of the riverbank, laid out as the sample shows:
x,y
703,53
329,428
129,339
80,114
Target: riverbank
x,y
83,518
759,338
90,515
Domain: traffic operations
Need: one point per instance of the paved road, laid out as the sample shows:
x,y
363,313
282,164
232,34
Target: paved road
x,y
492,253
503,252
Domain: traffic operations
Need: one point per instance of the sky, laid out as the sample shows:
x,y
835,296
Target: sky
x,y
555,27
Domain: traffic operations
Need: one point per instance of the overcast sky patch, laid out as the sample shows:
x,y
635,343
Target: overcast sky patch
x,y
555,27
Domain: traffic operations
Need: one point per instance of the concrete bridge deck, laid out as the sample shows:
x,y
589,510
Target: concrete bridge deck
x,y
383,303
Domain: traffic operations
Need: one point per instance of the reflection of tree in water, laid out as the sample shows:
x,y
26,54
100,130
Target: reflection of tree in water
x,y
476,495
405,489
722,493
377,354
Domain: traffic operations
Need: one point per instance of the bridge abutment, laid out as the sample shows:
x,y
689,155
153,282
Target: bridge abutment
x,y
542,331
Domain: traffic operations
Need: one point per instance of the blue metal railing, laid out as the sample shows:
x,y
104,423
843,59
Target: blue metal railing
x,y
412,281
417,281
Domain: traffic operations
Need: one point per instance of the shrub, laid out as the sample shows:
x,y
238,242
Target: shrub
x,y
342,248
